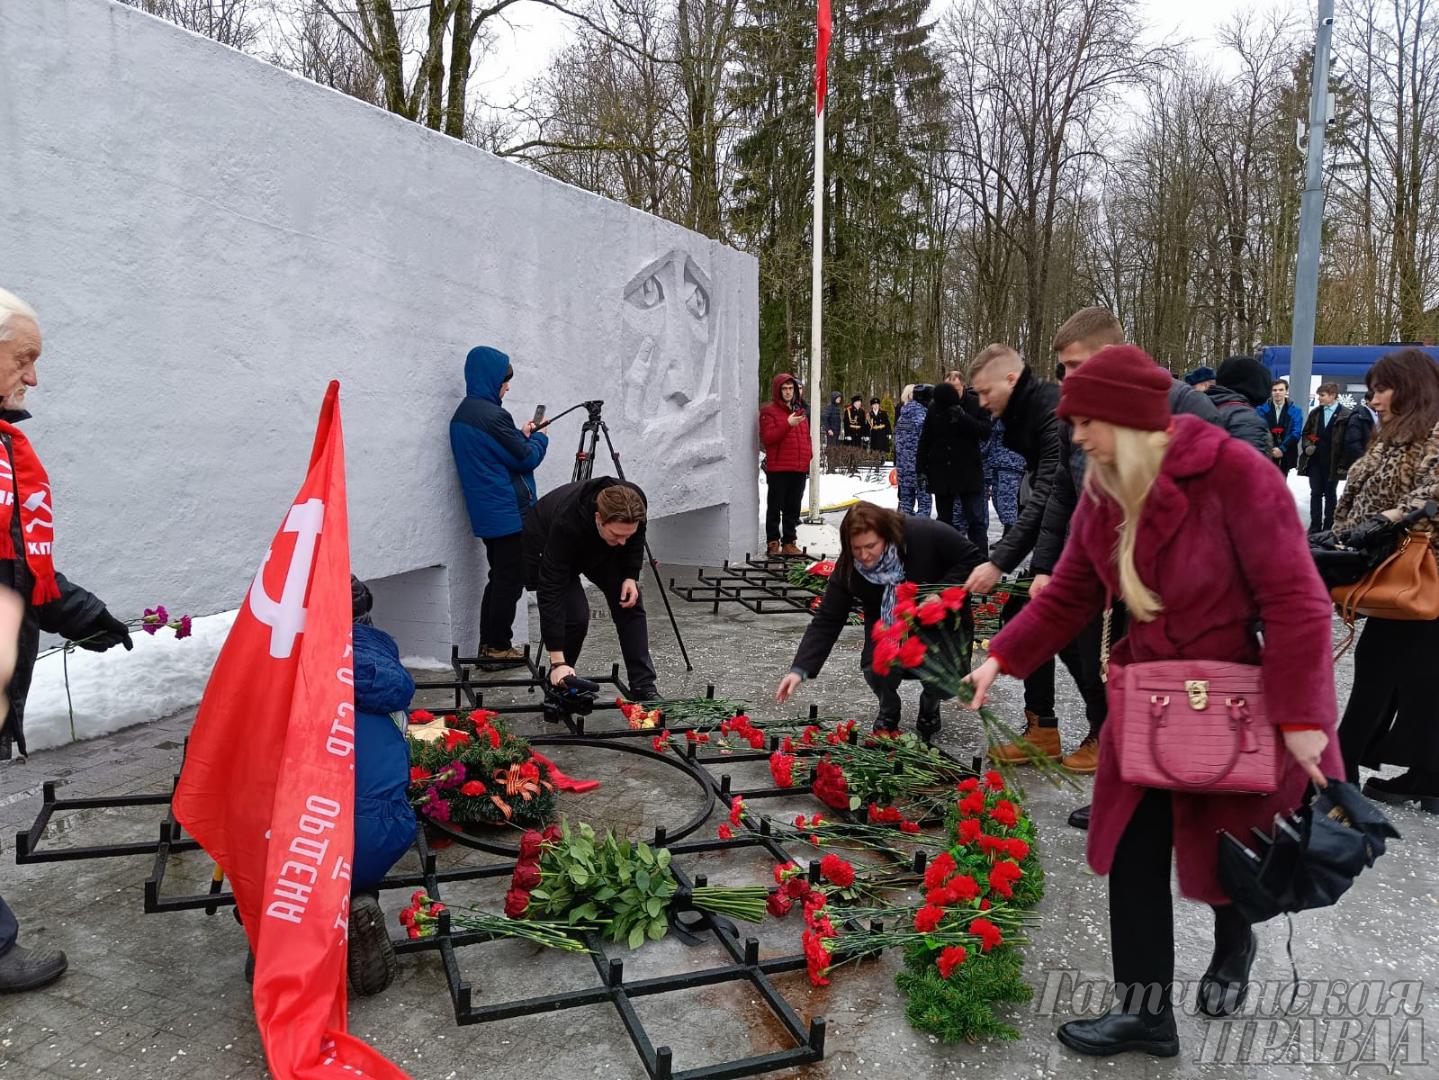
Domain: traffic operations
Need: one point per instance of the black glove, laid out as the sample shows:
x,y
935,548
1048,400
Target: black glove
x,y
106,632
1374,532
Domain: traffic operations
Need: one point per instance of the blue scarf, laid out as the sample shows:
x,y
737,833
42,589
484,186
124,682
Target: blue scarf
x,y
889,572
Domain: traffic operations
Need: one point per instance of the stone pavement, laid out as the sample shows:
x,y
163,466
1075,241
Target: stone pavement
x,y
164,995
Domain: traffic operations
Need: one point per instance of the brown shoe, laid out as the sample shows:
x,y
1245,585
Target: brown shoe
x,y
501,656
1041,740
1085,758
772,548
790,549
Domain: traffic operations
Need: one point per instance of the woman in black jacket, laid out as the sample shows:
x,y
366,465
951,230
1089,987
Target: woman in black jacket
x,y
951,459
880,550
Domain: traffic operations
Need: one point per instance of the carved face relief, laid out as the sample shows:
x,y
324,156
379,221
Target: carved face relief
x,y
671,378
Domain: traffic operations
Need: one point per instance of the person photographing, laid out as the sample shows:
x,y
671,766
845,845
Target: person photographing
x,y
594,529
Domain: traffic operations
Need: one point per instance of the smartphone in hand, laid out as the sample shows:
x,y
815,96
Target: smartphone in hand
x,y
539,415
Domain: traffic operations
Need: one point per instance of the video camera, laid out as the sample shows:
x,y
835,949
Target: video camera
x,y
573,697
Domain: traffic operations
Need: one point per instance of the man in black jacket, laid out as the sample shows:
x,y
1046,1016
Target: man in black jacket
x,y
594,528
950,458
1327,448
917,550
74,614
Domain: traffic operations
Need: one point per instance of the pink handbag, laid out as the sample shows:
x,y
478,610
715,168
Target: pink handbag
x,y
1194,725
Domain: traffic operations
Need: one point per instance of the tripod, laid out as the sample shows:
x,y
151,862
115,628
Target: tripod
x,y
590,433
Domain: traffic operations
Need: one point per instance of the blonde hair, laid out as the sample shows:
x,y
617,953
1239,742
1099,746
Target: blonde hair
x,y
998,354
907,394
1138,456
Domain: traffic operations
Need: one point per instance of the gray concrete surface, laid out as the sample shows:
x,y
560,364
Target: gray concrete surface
x,y
164,995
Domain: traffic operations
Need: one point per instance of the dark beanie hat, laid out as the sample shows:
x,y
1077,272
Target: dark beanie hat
x,y
360,599
1121,385
1199,375
1247,377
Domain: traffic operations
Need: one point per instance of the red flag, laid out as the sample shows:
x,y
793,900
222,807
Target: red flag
x,y
821,55
268,785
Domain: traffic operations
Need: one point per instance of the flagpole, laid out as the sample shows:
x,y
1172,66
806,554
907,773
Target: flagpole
x,y
815,315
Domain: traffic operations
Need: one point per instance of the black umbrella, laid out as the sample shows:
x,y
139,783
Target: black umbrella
x,y
1309,859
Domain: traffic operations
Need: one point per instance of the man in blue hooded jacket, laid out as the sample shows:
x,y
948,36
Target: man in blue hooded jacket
x,y
496,462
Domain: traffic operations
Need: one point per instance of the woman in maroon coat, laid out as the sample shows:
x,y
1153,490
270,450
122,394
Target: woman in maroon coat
x,y
784,431
1165,525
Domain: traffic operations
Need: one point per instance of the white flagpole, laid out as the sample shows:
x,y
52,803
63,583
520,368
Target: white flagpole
x,y
815,313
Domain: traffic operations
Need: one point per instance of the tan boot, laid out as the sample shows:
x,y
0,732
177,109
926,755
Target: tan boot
x,y
790,549
772,548
1085,758
1042,740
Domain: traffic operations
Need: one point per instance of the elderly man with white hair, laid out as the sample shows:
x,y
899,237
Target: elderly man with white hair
x,y
46,600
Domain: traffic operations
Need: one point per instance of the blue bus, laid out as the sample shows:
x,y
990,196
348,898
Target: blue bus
x,y
1346,365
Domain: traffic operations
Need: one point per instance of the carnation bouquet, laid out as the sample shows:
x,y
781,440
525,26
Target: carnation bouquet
x,y
815,578
474,771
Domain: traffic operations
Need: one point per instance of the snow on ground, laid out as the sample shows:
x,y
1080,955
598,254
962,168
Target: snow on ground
x,y
115,689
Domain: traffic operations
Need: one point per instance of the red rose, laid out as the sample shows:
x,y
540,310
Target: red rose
x,y
911,653
988,934
779,905
472,788
530,844
527,876
949,959
932,612
552,834
928,918
516,901
837,871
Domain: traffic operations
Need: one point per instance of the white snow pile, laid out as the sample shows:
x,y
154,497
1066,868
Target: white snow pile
x,y
115,689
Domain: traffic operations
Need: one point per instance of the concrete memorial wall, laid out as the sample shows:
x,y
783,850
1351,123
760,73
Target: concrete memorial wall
x,y
209,240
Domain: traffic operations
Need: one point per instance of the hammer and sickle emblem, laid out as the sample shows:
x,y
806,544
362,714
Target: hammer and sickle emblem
x,y
35,503
286,617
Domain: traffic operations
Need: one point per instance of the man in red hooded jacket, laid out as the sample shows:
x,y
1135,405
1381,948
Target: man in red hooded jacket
x,y
784,430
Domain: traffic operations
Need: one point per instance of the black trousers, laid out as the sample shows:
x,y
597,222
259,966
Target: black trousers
x,y
966,512
630,625
782,504
9,927
503,589
1390,717
1141,909
1081,658
886,689
1323,494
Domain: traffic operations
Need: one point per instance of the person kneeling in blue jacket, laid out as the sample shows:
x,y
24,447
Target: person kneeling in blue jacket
x,y
496,462
384,821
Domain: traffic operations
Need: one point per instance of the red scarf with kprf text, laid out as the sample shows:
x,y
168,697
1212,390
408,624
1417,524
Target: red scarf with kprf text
x,y
23,480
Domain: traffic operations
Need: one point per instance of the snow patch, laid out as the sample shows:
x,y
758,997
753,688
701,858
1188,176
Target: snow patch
x,y
117,689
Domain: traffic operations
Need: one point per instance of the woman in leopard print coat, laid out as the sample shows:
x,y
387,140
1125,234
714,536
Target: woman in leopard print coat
x,y
1391,716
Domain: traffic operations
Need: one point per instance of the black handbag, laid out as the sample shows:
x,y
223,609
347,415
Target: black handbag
x,y
1309,859
1341,565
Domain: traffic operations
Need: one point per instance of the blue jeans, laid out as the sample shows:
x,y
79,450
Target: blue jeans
x,y
8,927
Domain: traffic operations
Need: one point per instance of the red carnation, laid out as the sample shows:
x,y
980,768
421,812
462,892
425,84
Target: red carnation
x,y
932,612
421,716
967,785
972,804
949,959
988,934
1002,878
940,868
472,788
779,905
419,773
907,590
725,832
516,901
911,653
969,830
904,609
994,781
909,826
837,871
961,888
661,743
928,918
885,654
1017,849
455,739
494,738
954,597
1005,813
781,767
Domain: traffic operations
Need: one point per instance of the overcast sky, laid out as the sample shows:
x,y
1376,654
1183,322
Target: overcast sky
x,y
537,32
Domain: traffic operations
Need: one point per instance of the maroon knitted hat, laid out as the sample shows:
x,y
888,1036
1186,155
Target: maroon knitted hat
x,y
1120,384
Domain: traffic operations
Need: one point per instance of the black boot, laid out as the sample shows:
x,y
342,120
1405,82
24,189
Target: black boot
x,y
1080,819
1226,984
30,969
885,724
1118,1032
929,723
371,955
1407,787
